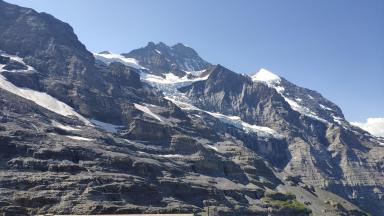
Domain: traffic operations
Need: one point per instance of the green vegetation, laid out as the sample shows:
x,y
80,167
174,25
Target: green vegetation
x,y
291,204
287,203
280,196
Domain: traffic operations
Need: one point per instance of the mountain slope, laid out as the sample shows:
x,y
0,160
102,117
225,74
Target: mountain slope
x,y
160,130
303,100
44,42
324,149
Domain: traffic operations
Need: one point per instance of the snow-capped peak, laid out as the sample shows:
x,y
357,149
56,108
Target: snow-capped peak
x,y
265,76
108,57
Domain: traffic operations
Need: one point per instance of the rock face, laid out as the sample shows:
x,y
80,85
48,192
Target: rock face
x,y
238,144
234,94
44,42
323,150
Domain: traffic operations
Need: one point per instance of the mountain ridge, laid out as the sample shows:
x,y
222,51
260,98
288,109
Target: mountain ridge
x,y
160,58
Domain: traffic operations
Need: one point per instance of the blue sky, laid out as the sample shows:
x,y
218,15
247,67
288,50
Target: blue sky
x,y
335,47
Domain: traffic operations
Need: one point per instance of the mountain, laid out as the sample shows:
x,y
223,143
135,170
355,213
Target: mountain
x,y
305,101
161,59
160,130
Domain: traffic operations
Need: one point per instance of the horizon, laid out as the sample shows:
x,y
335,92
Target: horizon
x,y
339,55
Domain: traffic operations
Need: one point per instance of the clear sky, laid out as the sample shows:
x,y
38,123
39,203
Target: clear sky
x,y
335,47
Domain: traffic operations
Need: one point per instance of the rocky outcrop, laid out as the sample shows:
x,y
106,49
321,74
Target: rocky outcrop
x,y
185,145
139,129
29,79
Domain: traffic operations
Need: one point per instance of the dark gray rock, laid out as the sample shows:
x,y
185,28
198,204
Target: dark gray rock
x,y
144,130
4,59
184,145
14,65
29,80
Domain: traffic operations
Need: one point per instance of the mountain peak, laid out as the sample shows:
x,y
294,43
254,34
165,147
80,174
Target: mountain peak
x,y
180,45
264,75
162,45
162,59
151,44
219,72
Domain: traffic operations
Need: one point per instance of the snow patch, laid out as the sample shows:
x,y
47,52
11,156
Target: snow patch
x,y
196,73
303,110
265,76
147,111
15,58
213,147
108,58
79,138
280,89
42,99
182,105
172,155
106,126
231,120
64,127
170,85
325,107
237,122
374,126
337,119
170,78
